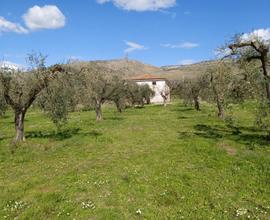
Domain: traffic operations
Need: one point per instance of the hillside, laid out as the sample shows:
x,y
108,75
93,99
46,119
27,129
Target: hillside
x,y
186,71
130,67
174,72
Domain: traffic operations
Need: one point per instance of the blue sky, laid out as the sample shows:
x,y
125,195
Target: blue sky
x,y
170,32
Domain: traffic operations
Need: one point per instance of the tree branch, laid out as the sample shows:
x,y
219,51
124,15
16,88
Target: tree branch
x,y
43,83
253,58
6,85
247,44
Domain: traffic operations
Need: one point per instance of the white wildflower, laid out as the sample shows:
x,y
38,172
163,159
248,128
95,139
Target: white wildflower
x,y
241,211
138,212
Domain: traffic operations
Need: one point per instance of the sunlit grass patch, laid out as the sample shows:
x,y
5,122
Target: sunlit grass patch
x,y
152,163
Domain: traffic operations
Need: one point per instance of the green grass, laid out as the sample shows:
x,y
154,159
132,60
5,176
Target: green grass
x,y
169,163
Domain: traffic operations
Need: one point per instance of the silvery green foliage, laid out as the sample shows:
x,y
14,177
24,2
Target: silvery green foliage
x,y
119,96
138,94
263,117
254,48
58,99
192,90
3,104
22,88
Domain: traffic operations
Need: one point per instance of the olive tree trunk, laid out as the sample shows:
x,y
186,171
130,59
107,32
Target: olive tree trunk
x,y
220,107
118,106
266,76
98,111
196,103
165,98
19,125
164,102
219,102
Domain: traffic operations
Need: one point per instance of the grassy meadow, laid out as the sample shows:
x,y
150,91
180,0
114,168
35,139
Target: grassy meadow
x,y
146,163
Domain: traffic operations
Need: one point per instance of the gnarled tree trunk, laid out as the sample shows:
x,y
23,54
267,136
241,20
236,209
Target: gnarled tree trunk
x,y
98,111
148,101
219,102
118,106
196,103
19,125
220,107
19,99
266,76
165,98
164,102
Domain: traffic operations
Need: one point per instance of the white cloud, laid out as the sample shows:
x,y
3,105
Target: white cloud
x,y
141,5
262,35
186,62
185,45
46,17
7,26
11,65
132,46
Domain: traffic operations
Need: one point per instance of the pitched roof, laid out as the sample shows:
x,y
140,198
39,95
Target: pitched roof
x,y
147,77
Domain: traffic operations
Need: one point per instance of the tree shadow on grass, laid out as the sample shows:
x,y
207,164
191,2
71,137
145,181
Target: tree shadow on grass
x,y
182,117
4,116
219,132
114,118
207,131
92,133
139,107
62,135
248,129
182,109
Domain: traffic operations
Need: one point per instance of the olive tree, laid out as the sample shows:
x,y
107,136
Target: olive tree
x,y
165,94
252,51
133,93
3,104
191,90
138,94
230,82
263,118
145,94
99,86
58,99
21,89
220,79
252,47
120,94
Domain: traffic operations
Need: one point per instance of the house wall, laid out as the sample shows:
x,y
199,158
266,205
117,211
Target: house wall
x,y
160,86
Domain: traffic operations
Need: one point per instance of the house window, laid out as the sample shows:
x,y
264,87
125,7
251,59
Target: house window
x,y
154,83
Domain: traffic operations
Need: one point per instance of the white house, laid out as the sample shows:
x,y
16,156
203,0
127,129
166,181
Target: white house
x,y
158,84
